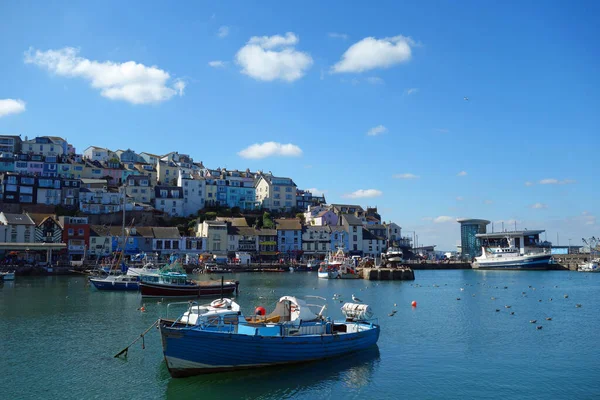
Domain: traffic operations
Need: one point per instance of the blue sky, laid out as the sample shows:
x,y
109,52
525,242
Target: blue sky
x,y
318,77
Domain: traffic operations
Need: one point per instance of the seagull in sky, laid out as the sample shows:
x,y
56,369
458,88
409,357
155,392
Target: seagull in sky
x,y
466,98
356,299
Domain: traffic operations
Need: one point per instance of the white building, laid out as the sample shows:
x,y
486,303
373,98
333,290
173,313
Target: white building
x,y
275,193
100,241
216,236
16,228
373,245
100,201
95,153
44,145
354,229
194,189
169,199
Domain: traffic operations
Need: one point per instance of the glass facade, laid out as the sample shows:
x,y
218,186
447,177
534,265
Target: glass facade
x,y
471,245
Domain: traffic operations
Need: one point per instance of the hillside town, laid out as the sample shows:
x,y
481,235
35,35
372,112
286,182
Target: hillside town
x,y
58,205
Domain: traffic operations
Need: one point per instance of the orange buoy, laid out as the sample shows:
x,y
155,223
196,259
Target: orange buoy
x,y
414,303
260,311
143,309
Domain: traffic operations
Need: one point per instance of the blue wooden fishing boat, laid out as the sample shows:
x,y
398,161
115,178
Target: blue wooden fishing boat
x,y
116,282
292,333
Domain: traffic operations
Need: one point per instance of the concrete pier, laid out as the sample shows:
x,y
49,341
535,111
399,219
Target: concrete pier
x,y
388,274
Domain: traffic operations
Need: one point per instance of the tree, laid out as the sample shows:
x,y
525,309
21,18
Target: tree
x,y
301,217
267,222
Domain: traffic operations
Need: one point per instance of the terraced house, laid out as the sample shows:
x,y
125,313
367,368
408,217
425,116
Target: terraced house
x,y
275,193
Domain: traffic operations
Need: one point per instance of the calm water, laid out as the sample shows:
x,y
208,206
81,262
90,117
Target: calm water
x,y
58,336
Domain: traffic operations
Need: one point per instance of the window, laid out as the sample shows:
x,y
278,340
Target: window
x,y
288,189
354,229
13,234
283,240
308,245
167,244
81,232
276,188
27,235
355,247
70,231
175,245
323,246
354,238
159,244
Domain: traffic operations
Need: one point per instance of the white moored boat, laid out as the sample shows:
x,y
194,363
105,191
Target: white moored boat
x,y
504,253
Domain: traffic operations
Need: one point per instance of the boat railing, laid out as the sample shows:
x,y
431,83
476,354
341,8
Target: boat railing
x,y
190,305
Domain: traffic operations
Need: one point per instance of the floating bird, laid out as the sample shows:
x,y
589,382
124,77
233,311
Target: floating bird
x,y
497,310
539,327
356,299
473,295
458,298
533,321
493,298
391,315
505,287
512,313
462,289
540,300
507,306
566,296
549,319
578,305
395,305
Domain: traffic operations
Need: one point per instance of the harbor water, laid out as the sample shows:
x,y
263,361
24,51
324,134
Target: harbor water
x,y
58,337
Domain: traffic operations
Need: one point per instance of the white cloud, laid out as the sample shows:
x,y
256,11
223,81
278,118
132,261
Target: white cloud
x,y
443,218
269,149
223,31
268,58
529,183
371,53
405,176
129,81
337,35
217,64
462,173
375,80
179,85
459,198
11,106
539,206
362,193
552,181
412,91
378,130
317,192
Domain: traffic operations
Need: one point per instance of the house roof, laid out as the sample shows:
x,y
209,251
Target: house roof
x,y
367,235
246,231
322,213
166,233
39,218
337,228
144,231
351,219
216,223
99,230
18,219
339,206
169,189
376,226
234,221
269,178
266,232
291,224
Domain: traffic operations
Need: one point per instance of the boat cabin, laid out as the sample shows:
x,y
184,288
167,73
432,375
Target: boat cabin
x,y
515,242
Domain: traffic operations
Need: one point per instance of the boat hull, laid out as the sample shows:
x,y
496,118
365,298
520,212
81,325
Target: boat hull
x,y
328,274
192,351
7,276
102,284
151,289
541,262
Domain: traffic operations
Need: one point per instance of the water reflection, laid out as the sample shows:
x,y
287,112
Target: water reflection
x,y
351,372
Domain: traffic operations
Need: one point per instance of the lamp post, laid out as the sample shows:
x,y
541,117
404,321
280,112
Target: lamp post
x,y
569,251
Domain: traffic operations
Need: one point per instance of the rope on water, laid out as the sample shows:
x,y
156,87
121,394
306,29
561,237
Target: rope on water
x,y
126,349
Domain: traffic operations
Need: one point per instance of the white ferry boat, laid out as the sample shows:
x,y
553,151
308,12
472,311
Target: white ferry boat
x,y
513,250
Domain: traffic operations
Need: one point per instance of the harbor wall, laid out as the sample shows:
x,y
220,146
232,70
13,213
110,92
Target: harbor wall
x,y
388,274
